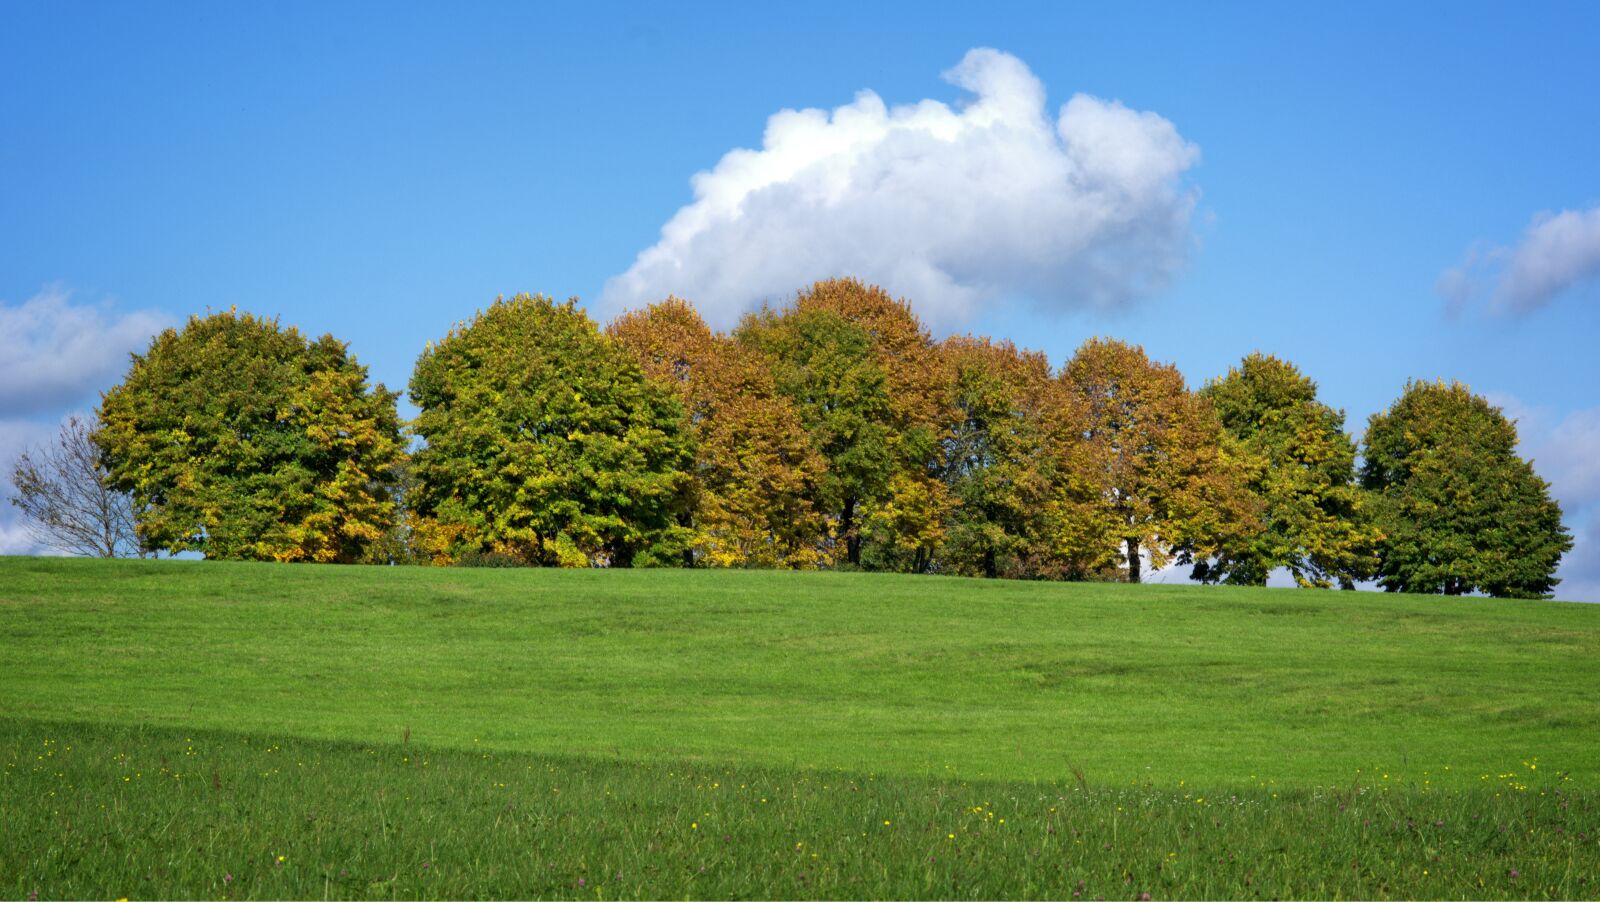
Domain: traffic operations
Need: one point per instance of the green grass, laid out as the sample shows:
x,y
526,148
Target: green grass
x,y
101,811
573,725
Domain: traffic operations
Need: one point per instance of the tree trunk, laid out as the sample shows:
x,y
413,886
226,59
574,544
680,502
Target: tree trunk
x,y
847,523
1133,560
687,522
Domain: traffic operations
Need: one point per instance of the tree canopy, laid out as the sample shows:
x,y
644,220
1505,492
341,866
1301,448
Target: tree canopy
x,y
829,431
999,458
546,444
755,471
1316,521
243,440
1460,510
866,380
1166,483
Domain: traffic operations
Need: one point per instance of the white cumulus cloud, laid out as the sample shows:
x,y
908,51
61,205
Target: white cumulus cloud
x,y
1557,252
54,352
952,207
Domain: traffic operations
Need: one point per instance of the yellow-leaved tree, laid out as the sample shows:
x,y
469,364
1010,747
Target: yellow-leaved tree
x,y
1168,483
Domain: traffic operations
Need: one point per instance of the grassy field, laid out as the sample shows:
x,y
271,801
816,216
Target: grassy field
x,y
172,728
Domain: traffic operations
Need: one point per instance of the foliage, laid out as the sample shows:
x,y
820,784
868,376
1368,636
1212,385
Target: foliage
x,y
755,471
824,365
1461,511
243,440
67,500
545,442
905,529
1167,482
999,463
866,379
1316,522
830,432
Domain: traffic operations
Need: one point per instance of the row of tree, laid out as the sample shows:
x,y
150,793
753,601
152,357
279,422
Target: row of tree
x,y
833,432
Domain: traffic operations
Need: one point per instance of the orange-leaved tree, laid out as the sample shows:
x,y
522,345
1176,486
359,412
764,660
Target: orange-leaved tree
x,y
754,467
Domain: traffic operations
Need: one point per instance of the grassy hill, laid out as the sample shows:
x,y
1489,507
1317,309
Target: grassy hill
x,y
870,672
912,701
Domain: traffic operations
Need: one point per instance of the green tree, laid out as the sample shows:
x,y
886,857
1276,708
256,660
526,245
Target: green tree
x,y
546,444
243,440
1316,521
997,461
754,468
1460,510
824,364
1166,482
868,383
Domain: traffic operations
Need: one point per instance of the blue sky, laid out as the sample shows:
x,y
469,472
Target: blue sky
x,y
380,172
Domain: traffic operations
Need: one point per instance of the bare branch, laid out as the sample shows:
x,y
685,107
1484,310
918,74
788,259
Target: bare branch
x,y
63,494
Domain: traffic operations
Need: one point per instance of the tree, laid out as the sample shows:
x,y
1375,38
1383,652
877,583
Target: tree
x,y
823,363
998,461
866,379
546,444
69,503
243,440
1166,483
1460,510
754,468
1316,521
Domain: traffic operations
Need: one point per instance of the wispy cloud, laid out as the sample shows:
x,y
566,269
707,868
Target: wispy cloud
x,y
954,207
55,355
54,352
1558,252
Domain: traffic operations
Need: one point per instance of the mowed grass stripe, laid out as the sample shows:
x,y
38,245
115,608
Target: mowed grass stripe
x,y
871,673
